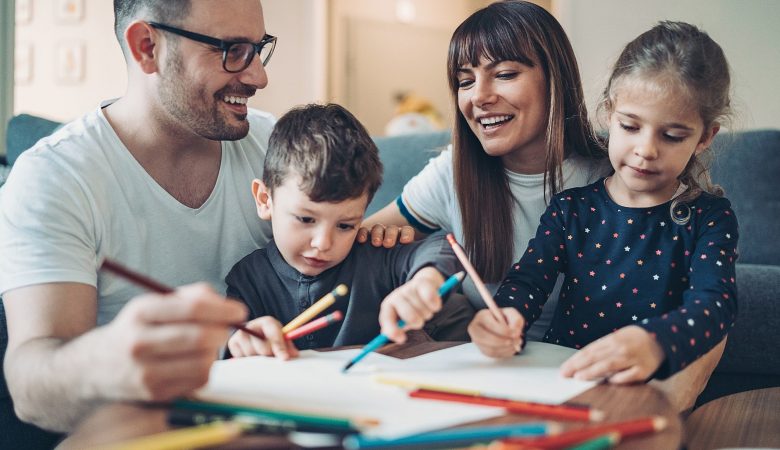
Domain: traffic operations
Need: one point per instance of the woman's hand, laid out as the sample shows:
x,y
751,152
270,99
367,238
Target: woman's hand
x,y
243,344
627,355
386,236
498,338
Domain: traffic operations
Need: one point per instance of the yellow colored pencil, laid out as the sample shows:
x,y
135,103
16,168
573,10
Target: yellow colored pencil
x,y
318,307
199,436
412,385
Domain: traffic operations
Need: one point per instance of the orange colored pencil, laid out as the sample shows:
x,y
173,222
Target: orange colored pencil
x,y
566,412
626,429
487,297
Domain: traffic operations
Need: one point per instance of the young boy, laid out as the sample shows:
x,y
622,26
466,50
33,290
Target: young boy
x,y
320,173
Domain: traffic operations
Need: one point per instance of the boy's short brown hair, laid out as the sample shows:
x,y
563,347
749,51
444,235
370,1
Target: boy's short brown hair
x,y
329,148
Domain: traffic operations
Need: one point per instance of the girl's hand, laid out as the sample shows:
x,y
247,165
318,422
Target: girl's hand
x,y
415,302
242,344
387,236
498,338
627,355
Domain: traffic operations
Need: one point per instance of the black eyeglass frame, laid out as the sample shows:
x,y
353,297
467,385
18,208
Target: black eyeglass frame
x,y
223,45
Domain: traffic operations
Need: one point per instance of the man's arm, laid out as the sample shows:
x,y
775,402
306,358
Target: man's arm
x,y
58,366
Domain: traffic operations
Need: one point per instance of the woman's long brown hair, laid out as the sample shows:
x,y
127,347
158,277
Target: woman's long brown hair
x,y
526,33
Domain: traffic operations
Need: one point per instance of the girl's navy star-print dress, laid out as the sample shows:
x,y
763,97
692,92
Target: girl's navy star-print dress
x,y
631,266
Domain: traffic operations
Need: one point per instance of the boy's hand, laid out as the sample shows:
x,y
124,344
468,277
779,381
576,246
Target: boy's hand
x,y
415,302
386,236
242,344
627,355
495,338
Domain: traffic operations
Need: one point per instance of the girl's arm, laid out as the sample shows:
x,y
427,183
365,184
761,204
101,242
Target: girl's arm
x,y
709,307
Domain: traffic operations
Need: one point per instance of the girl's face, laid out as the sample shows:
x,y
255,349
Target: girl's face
x,y
505,105
653,133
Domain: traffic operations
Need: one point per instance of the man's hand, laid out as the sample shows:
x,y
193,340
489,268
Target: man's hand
x,y
242,344
498,338
162,346
386,236
627,355
415,302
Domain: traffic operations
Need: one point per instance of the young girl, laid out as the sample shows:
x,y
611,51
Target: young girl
x,y
648,253
521,133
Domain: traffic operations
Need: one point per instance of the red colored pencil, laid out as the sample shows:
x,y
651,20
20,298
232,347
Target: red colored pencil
x,y
583,413
626,429
155,286
315,325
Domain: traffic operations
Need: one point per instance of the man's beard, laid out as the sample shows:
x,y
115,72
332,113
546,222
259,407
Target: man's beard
x,y
190,105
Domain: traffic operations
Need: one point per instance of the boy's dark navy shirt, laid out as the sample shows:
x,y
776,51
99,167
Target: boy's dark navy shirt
x,y
631,266
271,287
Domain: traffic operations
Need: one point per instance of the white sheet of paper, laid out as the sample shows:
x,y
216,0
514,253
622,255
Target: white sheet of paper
x,y
531,376
314,383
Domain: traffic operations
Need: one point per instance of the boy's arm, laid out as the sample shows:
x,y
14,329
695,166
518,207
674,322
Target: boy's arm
x,y
58,366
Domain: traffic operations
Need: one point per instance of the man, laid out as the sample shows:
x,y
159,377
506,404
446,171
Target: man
x,y
156,180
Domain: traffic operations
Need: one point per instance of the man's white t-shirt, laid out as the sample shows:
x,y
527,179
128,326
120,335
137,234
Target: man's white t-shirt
x,y
79,196
430,199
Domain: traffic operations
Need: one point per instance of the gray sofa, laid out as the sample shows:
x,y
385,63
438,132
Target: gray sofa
x,y
746,166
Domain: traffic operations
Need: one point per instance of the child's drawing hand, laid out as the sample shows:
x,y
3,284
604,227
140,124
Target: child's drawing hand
x,y
242,344
415,302
627,355
386,236
497,338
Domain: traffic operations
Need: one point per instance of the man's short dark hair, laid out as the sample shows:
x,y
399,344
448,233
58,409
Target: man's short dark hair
x,y
329,148
170,12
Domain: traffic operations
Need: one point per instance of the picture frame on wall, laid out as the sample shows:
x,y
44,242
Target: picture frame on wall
x,y
23,12
23,63
69,63
68,11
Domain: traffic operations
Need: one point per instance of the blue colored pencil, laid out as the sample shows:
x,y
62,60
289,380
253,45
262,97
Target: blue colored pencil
x,y
453,437
381,340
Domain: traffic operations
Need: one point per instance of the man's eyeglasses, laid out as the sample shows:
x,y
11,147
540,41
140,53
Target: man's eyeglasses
x,y
236,56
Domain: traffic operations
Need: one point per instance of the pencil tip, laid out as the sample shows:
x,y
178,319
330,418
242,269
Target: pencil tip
x,y
351,363
450,238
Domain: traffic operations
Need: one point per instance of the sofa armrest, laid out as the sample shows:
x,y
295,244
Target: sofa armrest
x,y
752,343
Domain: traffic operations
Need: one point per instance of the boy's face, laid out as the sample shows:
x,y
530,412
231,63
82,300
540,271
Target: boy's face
x,y
311,236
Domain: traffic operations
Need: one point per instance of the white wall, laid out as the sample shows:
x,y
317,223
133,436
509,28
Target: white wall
x,y
296,72
748,32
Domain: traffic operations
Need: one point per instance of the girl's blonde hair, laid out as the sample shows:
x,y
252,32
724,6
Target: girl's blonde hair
x,y
685,55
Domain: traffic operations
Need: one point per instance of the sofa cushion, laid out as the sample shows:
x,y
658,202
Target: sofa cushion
x,y
403,157
24,131
745,165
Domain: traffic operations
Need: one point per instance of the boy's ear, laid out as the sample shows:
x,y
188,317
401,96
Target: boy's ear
x,y
707,138
142,43
263,199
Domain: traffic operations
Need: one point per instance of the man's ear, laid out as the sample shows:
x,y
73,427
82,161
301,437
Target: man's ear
x,y
707,137
263,199
142,42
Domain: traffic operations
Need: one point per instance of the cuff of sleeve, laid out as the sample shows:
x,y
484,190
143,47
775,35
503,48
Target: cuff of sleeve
x,y
411,219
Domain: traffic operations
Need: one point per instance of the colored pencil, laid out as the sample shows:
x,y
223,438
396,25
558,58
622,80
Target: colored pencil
x,y
453,437
155,286
381,339
626,429
318,307
199,436
582,413
603,442
302,421
315,325
487,297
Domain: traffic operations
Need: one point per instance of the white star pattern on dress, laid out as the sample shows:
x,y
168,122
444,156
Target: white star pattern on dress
x,y
655,277
627,248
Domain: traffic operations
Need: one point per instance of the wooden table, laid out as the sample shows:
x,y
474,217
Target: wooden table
x,y
118,422
746,419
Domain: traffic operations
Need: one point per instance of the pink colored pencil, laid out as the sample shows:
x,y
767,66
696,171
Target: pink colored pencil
x,y
481,288
315,325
